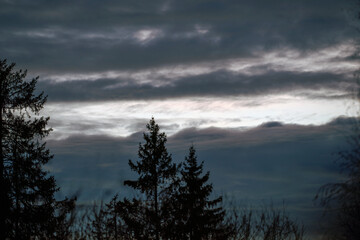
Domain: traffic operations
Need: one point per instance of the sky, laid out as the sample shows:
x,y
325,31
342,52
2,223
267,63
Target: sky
x,y
263,89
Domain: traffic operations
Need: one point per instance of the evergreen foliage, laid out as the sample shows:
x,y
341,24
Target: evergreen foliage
x,y
145,218
201,218
175,204
28,207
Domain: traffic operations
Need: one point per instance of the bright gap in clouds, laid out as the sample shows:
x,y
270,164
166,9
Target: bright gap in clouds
x,y
122,118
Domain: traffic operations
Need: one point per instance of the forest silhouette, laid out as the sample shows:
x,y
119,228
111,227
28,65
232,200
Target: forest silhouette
x,y
173,201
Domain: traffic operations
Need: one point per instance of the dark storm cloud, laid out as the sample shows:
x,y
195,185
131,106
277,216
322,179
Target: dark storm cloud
x,y
273,161
59,38
232,146
218,84
266,133
80,36
272,124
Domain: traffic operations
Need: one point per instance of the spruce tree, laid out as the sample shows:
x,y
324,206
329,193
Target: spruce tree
x,y
28,208
201,218
156,173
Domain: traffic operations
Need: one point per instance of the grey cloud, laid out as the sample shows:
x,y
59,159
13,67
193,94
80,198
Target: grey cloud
x,y
343,120
228,141
266,133
199,122
220,83
284,161
138,125
83,125
234,29
279,163
345,95
77,144
272,124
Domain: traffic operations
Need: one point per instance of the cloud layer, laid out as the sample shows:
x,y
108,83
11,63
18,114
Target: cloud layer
x,y
250,83
273,161
166,49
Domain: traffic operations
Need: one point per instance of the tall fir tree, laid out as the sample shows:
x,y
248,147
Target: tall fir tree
x,y
30,209
156,174
201,218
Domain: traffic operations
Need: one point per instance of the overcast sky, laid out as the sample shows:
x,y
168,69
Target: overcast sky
x,y
264,89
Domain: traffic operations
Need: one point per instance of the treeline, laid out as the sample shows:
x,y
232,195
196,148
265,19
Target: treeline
x,y
173,201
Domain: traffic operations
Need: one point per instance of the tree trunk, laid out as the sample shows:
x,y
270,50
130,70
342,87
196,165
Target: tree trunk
x,y
156,212
17,189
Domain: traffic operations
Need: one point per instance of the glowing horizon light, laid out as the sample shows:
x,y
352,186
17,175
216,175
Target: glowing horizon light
x,y
123,118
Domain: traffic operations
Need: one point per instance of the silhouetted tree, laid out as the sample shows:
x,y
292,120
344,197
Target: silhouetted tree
x,y
113,223
275,224
134,213
65,217
97,223
105,221
341,201
146,218
201,218
28,206
81,217
267,223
